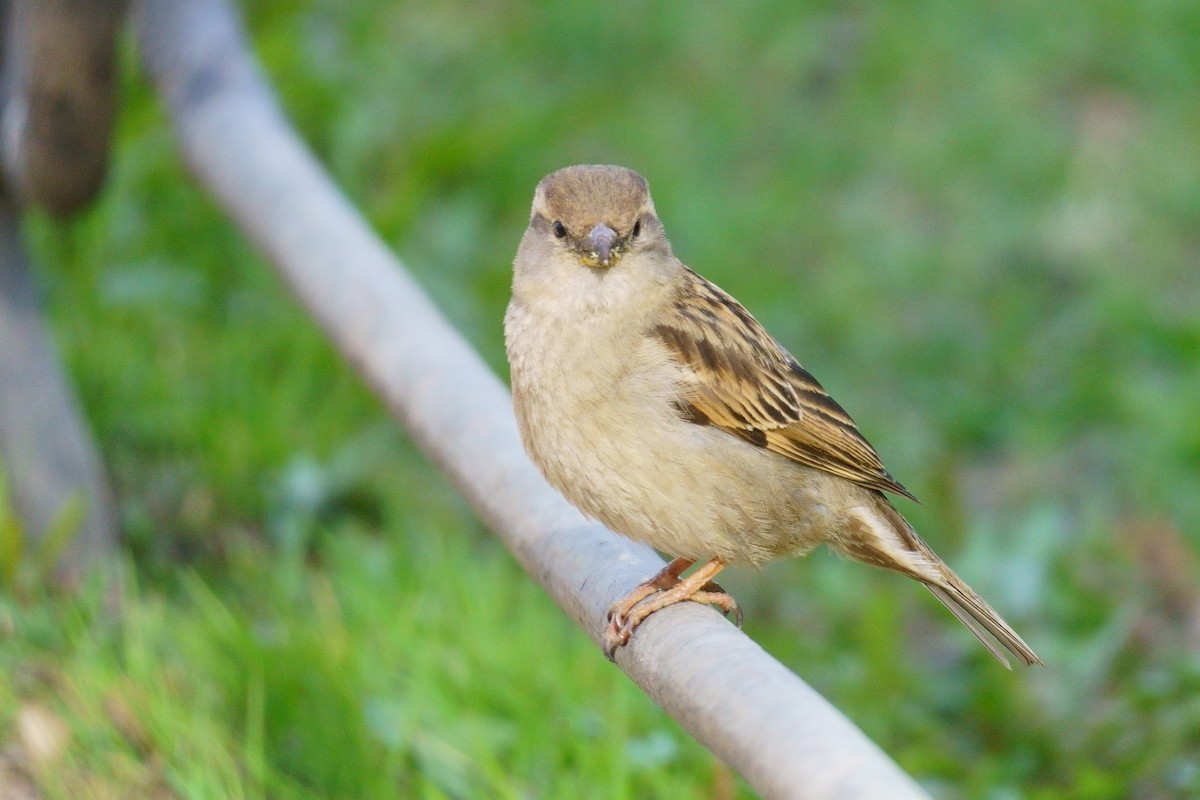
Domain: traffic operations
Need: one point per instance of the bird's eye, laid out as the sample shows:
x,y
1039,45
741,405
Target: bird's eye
x,y
637,228
560,230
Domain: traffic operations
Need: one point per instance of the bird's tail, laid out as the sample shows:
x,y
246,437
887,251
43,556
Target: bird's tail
x,y
925,565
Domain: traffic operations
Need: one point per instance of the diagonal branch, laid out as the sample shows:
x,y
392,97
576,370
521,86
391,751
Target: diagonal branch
x,y
734,698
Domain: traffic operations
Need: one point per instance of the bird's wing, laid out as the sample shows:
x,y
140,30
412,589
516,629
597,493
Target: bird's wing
x,y
739,379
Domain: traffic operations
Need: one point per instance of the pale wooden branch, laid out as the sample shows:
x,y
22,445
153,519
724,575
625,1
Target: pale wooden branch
x,y
734,698
60,96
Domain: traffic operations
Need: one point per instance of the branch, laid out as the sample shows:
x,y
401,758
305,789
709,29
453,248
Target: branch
x,y
734,698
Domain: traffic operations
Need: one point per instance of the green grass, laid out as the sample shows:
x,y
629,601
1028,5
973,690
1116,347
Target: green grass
x,y
977,226
360,678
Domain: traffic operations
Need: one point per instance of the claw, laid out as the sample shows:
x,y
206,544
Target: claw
x,y
616,634
722,600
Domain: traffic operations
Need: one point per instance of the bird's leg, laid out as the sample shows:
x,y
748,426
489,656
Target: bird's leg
x,y
667,577
628,613
698,587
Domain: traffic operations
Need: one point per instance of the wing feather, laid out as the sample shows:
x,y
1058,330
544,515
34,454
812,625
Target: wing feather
x,y
739,379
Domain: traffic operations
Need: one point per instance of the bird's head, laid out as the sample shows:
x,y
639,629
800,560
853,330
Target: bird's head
x,y
595,215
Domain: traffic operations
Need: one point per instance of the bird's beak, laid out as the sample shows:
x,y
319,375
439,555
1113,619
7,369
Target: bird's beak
x,y
601,247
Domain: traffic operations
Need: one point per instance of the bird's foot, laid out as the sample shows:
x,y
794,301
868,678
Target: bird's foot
x,y
666,589
712,594
666,578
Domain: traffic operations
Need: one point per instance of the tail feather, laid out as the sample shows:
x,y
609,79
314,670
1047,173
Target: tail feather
x,y
971,609
982,620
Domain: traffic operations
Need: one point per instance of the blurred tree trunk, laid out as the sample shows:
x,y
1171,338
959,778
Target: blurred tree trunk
x,y
53,471
57,100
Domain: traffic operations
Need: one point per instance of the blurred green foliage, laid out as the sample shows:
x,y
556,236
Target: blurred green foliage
x,y
977,224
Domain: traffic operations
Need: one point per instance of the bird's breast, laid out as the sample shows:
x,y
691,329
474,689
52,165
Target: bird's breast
x,y
598,419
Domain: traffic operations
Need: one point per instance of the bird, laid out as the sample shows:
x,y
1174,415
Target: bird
x,y
657,405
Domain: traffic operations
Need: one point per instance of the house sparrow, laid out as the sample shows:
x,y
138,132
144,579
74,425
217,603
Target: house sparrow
x,y
657,405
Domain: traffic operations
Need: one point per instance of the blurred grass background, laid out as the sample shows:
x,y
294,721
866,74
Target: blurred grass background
x,y
978,226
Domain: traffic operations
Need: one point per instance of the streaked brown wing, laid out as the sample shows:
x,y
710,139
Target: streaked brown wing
x,y
744,382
